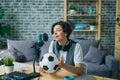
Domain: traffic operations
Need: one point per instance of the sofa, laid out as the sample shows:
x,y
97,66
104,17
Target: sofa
x,y
98,62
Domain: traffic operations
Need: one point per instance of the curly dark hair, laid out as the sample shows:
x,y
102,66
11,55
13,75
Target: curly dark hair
x,y
65,26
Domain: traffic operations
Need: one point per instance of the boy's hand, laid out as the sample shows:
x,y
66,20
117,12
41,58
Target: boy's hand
x,y
61,63
42,70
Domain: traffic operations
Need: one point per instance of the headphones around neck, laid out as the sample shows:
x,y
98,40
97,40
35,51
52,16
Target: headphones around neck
x,y
65,47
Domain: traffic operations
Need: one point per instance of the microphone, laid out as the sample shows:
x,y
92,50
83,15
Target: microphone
x,y
41,38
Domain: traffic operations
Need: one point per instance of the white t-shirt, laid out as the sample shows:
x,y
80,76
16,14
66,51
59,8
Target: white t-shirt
x,y
78,54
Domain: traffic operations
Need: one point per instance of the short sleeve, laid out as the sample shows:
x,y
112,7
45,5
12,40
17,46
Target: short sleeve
x,y
78,54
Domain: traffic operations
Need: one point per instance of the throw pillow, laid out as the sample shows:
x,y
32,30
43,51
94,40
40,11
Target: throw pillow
x,y
94,55
24,46
19,57
5,52
85,44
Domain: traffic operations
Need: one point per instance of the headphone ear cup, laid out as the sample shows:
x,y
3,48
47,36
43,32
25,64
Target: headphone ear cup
x,y
58,46
66,47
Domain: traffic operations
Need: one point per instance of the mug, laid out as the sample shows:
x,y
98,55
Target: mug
x,y
68,77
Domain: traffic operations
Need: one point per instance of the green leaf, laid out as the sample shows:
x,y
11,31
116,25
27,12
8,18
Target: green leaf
x,y
8,60
1,12
119,24
4,30
72,6
92,22
118,19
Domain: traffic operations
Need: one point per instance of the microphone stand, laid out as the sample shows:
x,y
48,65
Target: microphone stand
x,y
37,54
37,47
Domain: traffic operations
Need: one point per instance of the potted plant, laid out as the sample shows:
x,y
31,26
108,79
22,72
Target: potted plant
x,y
92,24
72,8
8,63
4,30
118,21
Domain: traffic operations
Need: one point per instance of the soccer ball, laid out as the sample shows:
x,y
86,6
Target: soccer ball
x,y
49,62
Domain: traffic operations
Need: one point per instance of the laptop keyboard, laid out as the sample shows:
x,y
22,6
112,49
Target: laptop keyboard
x,y
16,76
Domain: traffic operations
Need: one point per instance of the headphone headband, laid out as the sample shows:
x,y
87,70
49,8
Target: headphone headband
x,y
65,47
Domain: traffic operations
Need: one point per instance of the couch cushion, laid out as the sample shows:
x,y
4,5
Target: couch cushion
x,y
85,44
94,55
5,53
18,55
100,70
24,47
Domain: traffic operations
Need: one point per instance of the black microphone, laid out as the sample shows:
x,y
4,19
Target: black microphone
x,y
41,38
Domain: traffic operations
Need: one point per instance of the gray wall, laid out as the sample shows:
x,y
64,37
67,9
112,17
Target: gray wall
x,y
28,18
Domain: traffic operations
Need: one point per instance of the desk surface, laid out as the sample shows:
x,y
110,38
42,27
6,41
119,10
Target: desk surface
x,y
58,75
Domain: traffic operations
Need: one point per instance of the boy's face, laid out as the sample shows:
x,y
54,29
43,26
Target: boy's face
x,y
58,33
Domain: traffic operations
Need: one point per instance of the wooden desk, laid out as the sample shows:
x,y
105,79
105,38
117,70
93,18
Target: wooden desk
x,y
59,75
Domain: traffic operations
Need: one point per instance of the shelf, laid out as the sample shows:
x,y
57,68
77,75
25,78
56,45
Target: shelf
x,y
117,33
93,15
93,7
85,30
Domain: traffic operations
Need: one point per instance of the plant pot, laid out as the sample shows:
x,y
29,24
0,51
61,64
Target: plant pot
x,y
92,27
72,11
8,69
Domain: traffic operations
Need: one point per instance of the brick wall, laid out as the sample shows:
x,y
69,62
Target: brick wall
x,y
108,25
28,18
31,17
